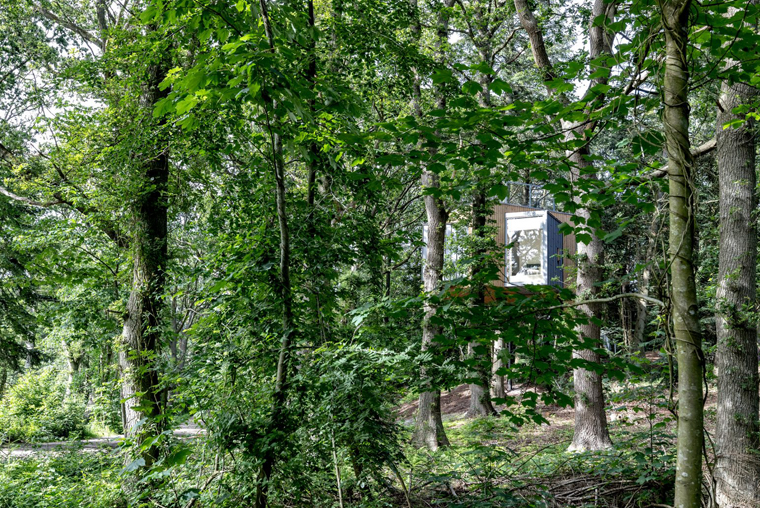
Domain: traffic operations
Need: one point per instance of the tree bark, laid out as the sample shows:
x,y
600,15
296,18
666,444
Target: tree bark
x,y
498,381
481,32
480,394
279,397
683,292
590,419
429,430
737,437
73,364
647,258
148,244
590,431
429,427
3,381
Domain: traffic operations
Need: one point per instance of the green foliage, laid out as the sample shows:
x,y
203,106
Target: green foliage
x,y
70,479
35,409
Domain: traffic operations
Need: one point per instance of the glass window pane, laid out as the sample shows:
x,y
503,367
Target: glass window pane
x,y
525,256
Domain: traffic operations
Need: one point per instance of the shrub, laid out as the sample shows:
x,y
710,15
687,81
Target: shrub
x,y
35,409
68,480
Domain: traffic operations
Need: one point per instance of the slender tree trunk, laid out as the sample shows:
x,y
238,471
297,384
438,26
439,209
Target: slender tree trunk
x,y
643,285
30,349
481,35
688,335
141,335
3,381
279,398
737,438
73,364
498,385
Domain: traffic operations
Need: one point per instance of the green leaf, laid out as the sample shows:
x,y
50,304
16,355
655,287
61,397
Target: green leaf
x,y
148,14
178,457
484,68
472,87
499,86
442,76
134,465
186,104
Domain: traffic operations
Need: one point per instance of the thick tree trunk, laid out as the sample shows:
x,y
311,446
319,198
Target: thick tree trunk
x,y
683,293
590,420
737,438
429,427
590,431
429,430
480,394
142,326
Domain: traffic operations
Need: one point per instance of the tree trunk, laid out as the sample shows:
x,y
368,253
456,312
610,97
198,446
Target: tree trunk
x,y
590,431
148,244
3,381
429,427
480,394
647,258
429,430
683,292
737,438
498,383
279,397
590,420
73,364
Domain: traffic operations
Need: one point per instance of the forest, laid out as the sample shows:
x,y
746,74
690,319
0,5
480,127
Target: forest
x,y
379,253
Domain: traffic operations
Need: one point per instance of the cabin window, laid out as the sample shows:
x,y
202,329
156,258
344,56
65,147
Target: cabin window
x,y
525,253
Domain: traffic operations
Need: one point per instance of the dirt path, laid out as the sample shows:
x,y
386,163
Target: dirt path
x,y
102,444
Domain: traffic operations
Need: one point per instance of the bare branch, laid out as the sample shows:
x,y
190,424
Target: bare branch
x,y
605,300
28,201
68,24
699,151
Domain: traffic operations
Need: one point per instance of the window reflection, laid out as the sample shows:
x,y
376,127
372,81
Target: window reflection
x,y
525,253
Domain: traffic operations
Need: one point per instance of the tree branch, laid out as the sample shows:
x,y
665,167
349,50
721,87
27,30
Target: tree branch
x,y
28,201
699,151
68,24
605,300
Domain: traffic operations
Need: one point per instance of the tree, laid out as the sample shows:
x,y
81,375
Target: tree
x,y
737,438
687,332
429,430
591,431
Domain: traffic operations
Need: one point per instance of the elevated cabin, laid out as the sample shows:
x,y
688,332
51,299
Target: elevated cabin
x,y
539,254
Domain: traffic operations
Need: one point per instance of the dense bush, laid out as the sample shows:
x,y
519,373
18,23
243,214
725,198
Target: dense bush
x,y
69,480
35,409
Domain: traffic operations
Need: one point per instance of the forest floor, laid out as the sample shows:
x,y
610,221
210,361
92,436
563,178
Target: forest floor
x,y
20,450
532,462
